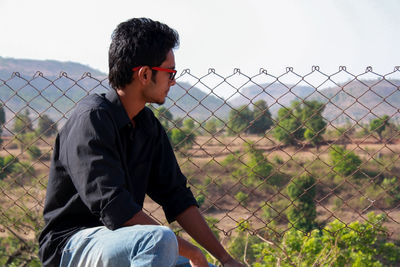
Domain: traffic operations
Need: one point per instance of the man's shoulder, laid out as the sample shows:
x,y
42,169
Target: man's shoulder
x,y
91,109
92,102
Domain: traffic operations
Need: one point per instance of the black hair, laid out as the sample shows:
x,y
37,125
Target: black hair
x,y
138,42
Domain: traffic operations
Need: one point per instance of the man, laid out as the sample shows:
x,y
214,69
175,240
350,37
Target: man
x,y
110,153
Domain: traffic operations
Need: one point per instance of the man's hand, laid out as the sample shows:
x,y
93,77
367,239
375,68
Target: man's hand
x,y
198,259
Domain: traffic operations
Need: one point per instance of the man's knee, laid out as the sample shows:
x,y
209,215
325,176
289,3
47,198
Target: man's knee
x,y
164,237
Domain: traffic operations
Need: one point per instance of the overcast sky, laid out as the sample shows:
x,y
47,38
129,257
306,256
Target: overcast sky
x,y
219,34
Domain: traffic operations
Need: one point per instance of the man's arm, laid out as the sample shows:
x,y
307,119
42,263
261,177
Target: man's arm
x,y
194,224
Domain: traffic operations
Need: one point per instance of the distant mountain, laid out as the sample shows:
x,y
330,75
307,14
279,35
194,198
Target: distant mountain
x,y
56,94
184,99
353,101
361,100
276,95
49,68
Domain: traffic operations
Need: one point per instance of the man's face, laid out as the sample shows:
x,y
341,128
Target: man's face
x,y
159,89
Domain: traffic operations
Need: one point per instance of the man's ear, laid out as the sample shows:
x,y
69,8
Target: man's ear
x,y
144,75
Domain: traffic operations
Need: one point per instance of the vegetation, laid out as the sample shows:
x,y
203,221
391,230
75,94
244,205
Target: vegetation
x,y
302,213
22,123
301,121
2,121
379,125
46,126
288,129
344,162
337,244
243,120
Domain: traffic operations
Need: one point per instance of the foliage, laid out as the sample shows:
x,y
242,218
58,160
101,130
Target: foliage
x,y
232,161
379,125
34,152
24,139
311,116
344,162
262,119
302,213
211,126
392,188
258,167
182,138
22,123
189,124
239,120
242,197
46,126
288,128
300,121
164,116
7,165
200,199
338,244
16,248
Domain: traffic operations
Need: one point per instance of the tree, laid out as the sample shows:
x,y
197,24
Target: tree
x,y
164,116
182,138
289,129
262,119
46,126
22,123
258,167
189,124
311,116
239,120
344,162
211,126
302,213
379,125
2,121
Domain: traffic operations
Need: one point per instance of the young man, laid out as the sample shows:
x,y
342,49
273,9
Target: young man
x,y
110,153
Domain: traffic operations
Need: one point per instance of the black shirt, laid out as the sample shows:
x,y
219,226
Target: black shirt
x,y
101,168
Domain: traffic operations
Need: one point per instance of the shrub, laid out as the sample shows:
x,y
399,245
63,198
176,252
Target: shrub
x,y
338,244
302,213
34,152
242,197
344,162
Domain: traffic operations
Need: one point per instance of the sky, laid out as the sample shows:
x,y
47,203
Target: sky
x,y
218,34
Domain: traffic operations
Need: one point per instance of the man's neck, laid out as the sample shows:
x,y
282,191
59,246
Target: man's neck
x,y
131,101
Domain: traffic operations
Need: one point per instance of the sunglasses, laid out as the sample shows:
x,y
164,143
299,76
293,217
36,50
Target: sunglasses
x,y
171,72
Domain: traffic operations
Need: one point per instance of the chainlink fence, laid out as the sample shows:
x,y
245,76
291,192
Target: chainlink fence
x,y
276,162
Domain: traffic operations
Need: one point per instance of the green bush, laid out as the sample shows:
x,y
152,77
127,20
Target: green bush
x,y
355,244
302,213
344,162
258,167
34,152
182,138
242,197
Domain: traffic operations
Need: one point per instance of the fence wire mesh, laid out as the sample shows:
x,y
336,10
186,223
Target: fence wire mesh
x,y
263,154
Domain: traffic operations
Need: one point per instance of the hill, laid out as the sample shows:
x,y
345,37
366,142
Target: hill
x,y
359,100
49,68
55,93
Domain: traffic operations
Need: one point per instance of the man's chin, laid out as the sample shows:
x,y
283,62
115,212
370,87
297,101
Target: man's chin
x,y
160,102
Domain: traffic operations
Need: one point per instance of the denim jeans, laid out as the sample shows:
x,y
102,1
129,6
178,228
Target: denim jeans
x,y
139,245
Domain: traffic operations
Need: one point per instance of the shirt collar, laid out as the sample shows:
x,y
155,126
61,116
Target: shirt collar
x,y
121,116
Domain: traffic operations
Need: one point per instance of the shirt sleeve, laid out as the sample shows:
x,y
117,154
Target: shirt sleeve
x,y
94,165
167,185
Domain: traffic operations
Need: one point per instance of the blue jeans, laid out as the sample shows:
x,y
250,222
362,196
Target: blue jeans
x,y
139,245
